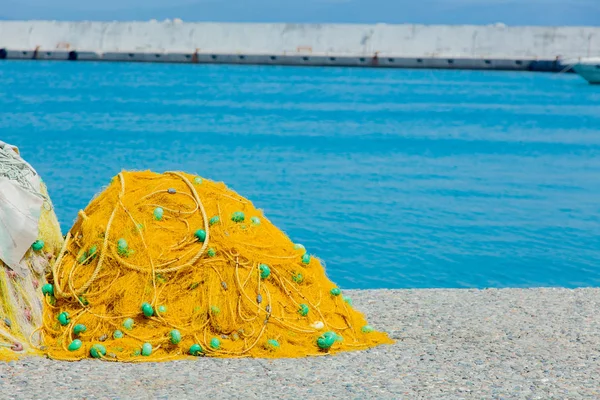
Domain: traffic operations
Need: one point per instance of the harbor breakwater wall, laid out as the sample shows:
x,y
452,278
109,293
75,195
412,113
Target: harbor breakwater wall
x,y
381,45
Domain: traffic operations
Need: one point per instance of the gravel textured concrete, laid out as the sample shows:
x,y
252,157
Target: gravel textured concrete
x,y
451,344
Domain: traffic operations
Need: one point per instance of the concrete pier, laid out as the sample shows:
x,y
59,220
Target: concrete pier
x,y
495,47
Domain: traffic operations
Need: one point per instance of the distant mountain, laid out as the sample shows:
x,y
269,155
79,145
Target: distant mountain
x,y
510,12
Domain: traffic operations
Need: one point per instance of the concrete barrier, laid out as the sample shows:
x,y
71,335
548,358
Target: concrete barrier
x,y
381,45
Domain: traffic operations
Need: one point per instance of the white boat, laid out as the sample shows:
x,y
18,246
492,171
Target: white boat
x,y
588,68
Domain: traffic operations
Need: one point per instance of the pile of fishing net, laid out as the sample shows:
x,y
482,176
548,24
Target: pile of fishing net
x,y
167,266
30,238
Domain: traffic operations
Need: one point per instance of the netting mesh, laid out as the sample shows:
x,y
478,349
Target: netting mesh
x,y
20,295
165,266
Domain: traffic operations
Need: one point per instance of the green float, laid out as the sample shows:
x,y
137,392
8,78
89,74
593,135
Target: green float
x,y
128,324
200,235
37,245
215,343
146,349
306,258
303,310
175,336
195,350
238,216
79,328
265,271
147,310
97,351
122,247
63,318
75,345
92,252
272,344
326,340
48,289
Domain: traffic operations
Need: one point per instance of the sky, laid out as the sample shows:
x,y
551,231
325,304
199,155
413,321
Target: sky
x,y
509,12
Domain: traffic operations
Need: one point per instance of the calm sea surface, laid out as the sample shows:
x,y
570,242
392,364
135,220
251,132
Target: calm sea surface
x,y
396,178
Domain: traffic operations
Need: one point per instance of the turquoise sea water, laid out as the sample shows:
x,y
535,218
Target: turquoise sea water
x,y
396,178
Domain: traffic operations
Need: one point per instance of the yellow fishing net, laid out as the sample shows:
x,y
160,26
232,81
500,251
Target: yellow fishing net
x,y
167,266
20,294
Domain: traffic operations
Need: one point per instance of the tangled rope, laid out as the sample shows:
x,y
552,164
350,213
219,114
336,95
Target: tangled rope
x,y
167,266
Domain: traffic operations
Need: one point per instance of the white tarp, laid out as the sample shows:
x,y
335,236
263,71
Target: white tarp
x,y
20,207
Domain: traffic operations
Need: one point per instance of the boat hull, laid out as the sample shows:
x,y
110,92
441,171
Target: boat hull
x,y
590,72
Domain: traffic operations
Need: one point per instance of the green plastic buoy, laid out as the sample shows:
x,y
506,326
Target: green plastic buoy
x,y
92,252
146,349
215,343
215,310
238,216
195,349
158,213
48,289
162,309
117,334
175,336
326,340
348,300
214,220
77,329
265,271
335,291
306,258
211,252
37,245
63,318
298,278
122,247
255,220
75,345
303,310
367,329
272,344
198,180
200,235
82,258
298,246
128,324
97,350
147,310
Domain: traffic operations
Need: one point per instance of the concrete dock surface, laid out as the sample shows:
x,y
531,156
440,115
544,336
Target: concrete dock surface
x,y
450,344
